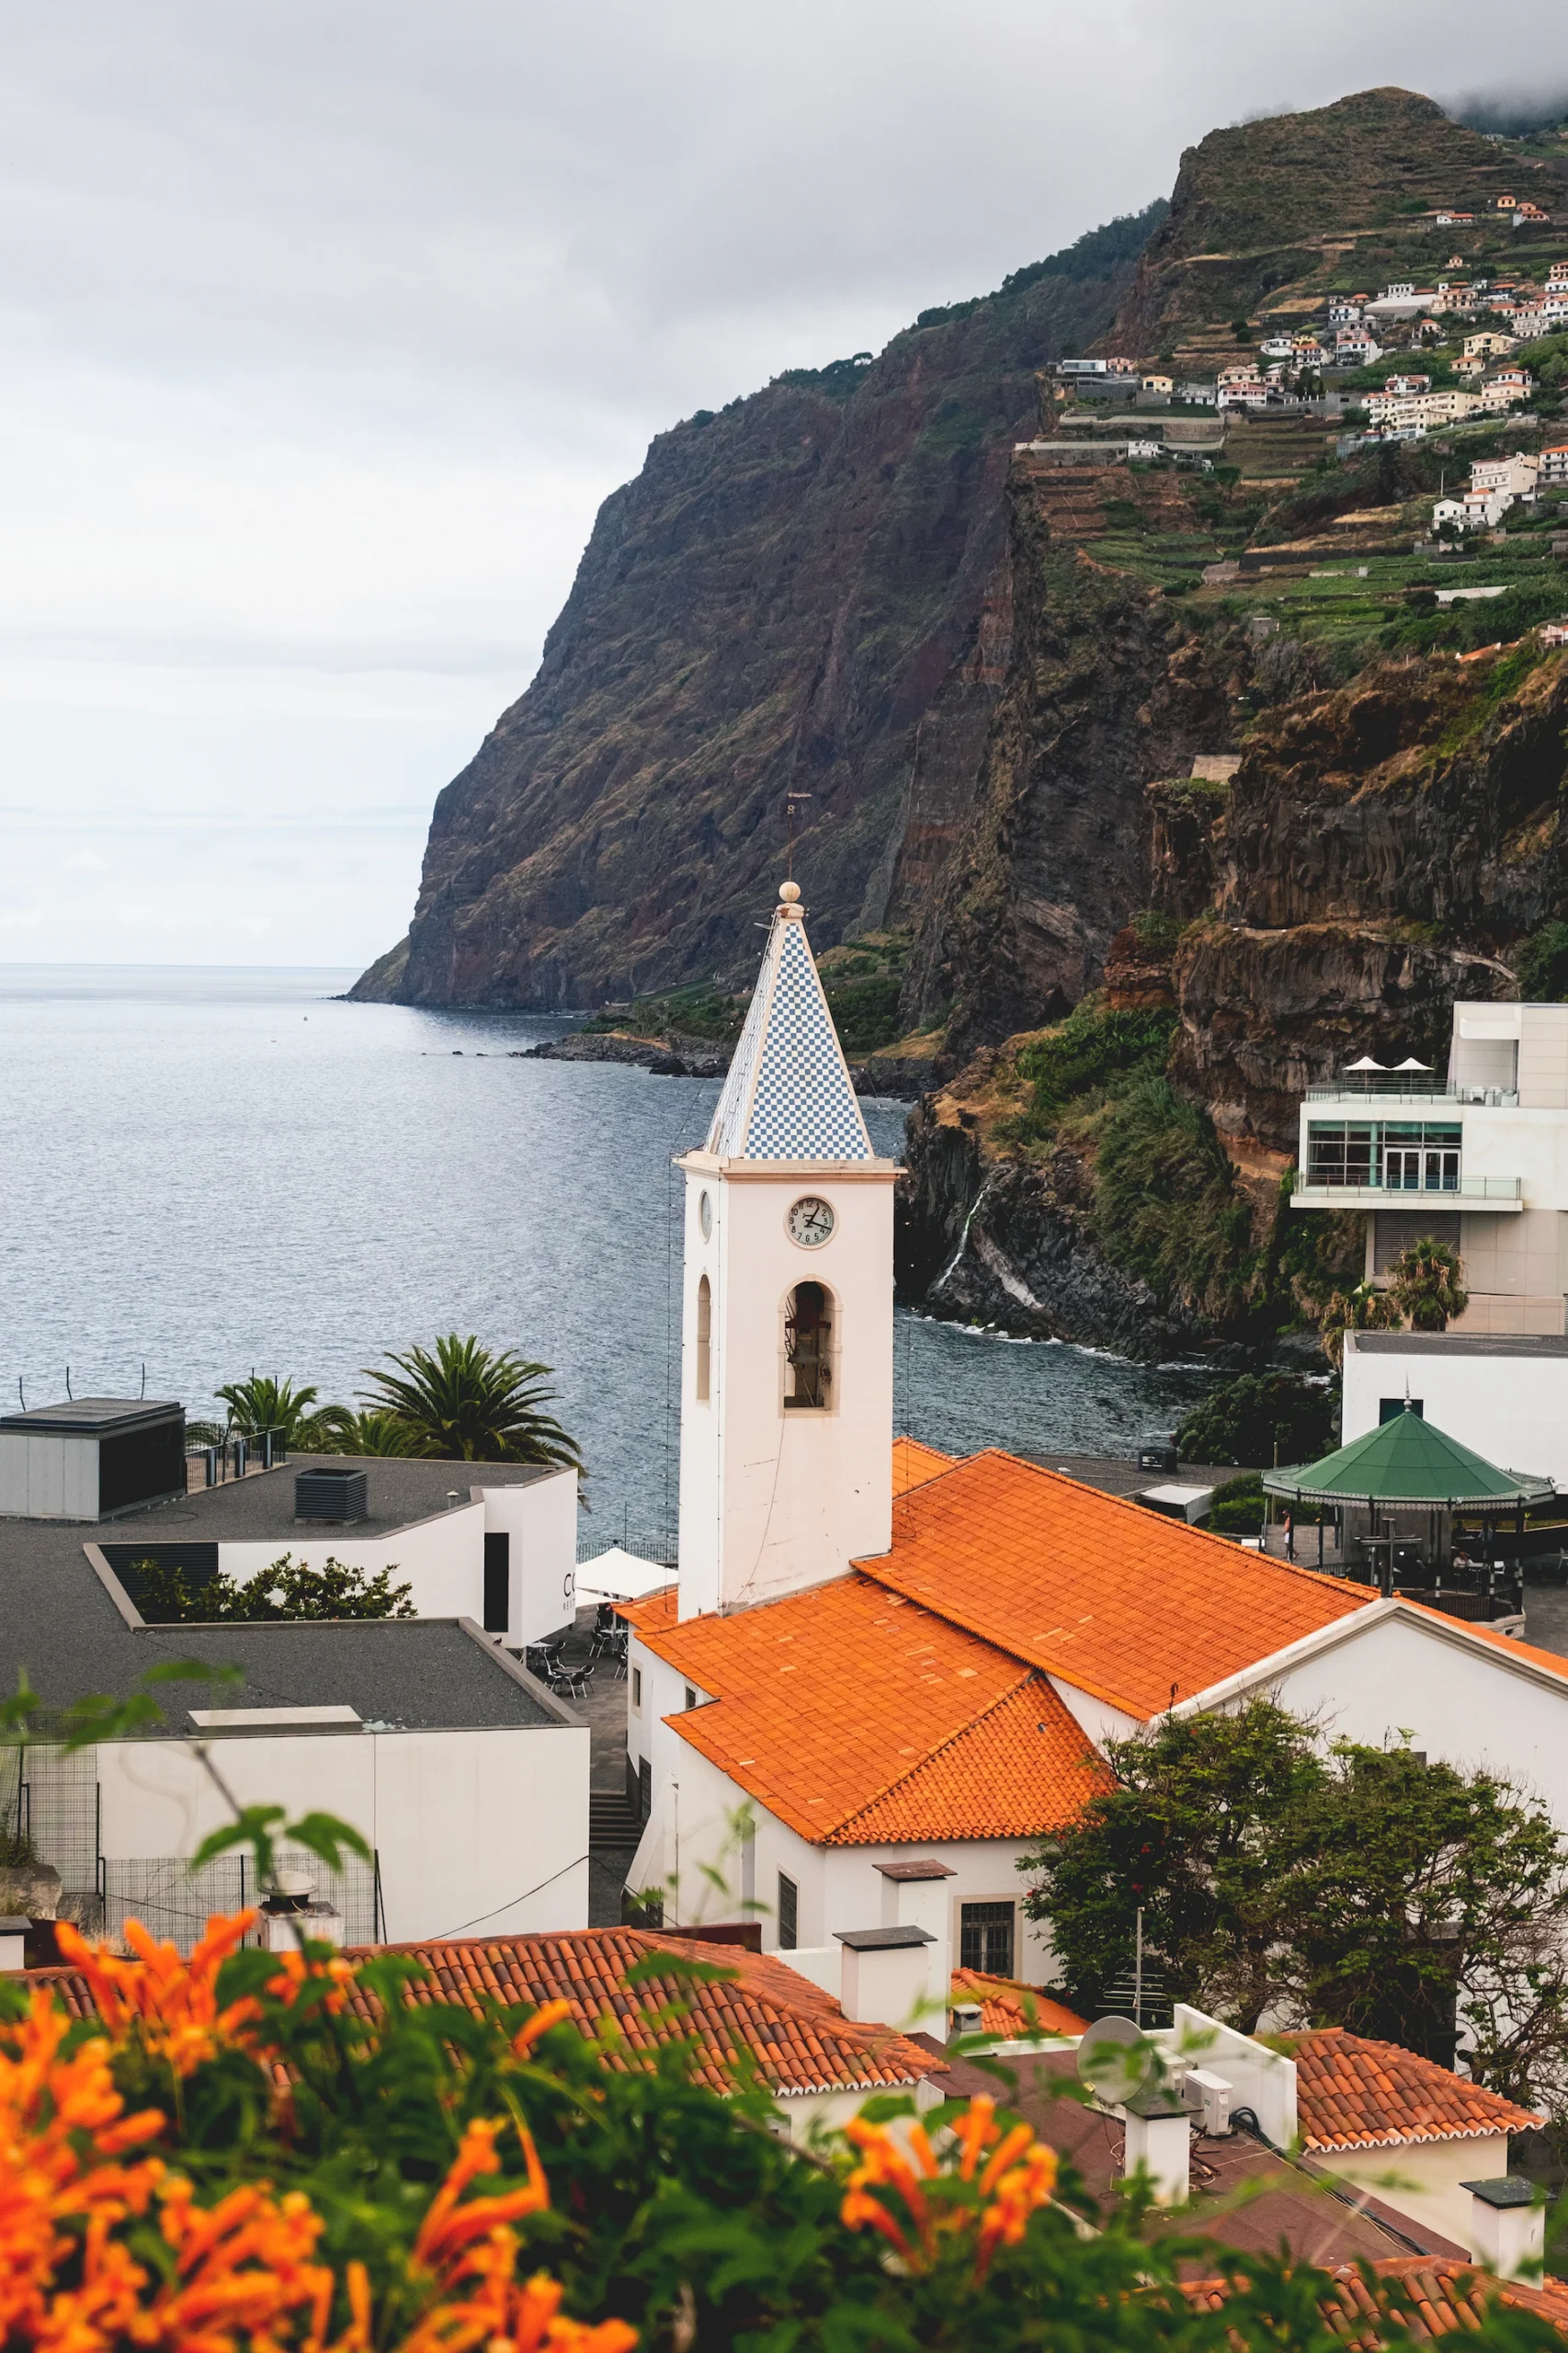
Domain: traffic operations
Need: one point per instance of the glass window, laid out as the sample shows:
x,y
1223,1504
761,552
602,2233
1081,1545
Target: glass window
x,y
690,1697
704,1337
1341,1152
985,1937
637,1686
789,1914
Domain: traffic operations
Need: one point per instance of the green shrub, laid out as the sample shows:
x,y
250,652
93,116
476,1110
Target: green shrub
x,y
1542,965
1087,1053
1265,1418
1166,1203
1238,1507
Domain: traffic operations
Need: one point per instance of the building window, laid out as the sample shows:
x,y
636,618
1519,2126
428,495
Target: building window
x,y
704,1337
690,1697
1402,1156
644,1789
789,1914
497,1583
637,1686
808,1336
986,1938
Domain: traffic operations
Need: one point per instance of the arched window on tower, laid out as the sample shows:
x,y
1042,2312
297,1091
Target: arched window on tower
x,y
808,1337
704,1337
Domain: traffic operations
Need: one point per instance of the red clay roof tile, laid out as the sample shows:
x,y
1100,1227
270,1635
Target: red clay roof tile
x,y
1132,1607
1353,2093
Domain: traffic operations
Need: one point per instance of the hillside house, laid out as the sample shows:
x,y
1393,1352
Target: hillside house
x,y
1455,220
1399,384
1555,466
1491,343
1500,393
1517,475
1554,633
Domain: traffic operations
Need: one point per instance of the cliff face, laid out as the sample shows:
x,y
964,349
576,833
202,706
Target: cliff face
x,y
771,606
1378,849
1105,692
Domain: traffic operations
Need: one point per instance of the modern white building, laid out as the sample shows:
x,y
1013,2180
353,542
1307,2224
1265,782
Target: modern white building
x,y
1505,1394
1475,1157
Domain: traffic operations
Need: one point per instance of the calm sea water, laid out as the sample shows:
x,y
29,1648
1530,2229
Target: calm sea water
x,y
204,1171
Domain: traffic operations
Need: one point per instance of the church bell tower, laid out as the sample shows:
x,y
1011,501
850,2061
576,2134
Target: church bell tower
x,y
786,1429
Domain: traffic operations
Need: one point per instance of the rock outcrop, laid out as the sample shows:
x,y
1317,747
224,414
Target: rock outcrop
x,y
772,606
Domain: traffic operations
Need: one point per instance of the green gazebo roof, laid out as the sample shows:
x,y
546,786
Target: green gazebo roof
x,y
1407,1461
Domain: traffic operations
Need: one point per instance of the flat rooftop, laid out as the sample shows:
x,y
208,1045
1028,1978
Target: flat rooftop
x,y
59,1626
259,1509
1459,1344
92,1416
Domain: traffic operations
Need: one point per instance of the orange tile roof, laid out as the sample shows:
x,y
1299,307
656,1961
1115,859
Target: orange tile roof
x,y
1123,1604
1354,2093
1430,2295
798,2037
858,1717
913,1464
1007,2008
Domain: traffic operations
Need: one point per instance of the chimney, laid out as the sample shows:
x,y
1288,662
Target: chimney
x,y
885,1975
914,1896
1159,2140
14,1940
291,1909
1507,2224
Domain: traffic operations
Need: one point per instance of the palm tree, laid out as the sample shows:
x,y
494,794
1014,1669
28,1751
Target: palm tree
x,y
292,1413
1427,1285
470,1403
376,1431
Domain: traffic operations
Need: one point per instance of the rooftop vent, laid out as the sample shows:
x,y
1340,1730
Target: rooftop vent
x,y
331,1495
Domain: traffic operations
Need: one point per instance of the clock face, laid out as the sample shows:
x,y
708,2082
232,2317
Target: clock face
x,y
811,1223
705,1216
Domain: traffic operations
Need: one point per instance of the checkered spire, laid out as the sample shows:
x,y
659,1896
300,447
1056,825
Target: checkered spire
x,y
788,1096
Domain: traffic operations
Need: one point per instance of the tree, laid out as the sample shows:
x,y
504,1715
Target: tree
x,y
375,1431
292,1413
1261,1418
1357,1887
1364,1309
466,1402
1542,965
1193,1833
288,1588
1426,1285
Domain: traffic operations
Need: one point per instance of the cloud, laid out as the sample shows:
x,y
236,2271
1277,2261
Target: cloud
x,y
324,331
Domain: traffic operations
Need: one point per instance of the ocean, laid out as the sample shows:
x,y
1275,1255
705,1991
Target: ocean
x,y
211,1170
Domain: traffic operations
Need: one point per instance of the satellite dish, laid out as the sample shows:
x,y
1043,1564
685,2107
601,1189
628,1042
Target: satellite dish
x,y
1116,2059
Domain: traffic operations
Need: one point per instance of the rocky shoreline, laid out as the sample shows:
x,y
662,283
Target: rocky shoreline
x,y
675,1056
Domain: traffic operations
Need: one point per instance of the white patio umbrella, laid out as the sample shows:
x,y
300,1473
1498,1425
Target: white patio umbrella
x,y
1365,1063
1410,1063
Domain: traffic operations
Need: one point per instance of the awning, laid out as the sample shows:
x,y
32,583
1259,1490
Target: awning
x,y
616,1575
1409,1460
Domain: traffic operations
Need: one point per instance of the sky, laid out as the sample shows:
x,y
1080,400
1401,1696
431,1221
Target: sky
x,y
325,326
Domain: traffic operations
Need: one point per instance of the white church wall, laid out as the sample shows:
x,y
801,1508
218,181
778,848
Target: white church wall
x,y
1403,1672
1097,1718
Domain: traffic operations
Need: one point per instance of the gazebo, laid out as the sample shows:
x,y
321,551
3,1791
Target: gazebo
x,y
1410,1504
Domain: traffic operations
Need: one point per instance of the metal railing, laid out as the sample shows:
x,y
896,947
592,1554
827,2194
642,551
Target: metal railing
x,y
1379,1090
1462,1189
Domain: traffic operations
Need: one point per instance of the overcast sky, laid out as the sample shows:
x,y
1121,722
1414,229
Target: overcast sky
x,y
326,326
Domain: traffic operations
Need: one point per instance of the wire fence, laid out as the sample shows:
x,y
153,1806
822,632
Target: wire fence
x,y
661,1550
49,1799
175,1902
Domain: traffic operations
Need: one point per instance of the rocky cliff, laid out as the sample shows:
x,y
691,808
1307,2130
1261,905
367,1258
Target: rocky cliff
x,y
774,605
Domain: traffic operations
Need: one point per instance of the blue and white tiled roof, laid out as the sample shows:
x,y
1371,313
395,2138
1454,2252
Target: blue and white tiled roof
x,y
788,1096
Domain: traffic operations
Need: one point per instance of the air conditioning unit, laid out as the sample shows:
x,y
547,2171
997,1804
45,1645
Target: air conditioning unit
x,y
335,1496
1207,2099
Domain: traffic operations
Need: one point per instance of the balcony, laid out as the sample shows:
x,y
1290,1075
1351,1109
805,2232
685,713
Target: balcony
x,y
1504,1193
1391,1086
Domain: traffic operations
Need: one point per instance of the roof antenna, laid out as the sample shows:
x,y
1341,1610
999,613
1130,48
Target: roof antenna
x,y
789,801
143,1376
69,1390
21,1393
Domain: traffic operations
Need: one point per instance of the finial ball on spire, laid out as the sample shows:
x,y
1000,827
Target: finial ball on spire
x,y
789,893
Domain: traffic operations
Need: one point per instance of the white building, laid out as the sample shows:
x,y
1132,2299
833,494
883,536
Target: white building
x,y
883,1675
1477,1159
1503,1393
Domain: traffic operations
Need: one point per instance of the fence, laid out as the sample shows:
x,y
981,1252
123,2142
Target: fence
x,y
50,1797
661,1549
175,1902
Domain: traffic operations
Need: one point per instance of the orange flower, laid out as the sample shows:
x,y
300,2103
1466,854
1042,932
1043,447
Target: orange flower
x,y
174,2001
1019,2176
549,2014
